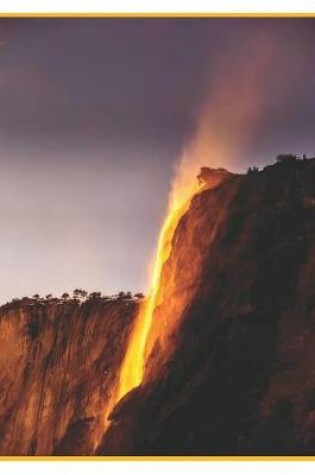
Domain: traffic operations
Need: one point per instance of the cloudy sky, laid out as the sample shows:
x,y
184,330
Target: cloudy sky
x,y
94,113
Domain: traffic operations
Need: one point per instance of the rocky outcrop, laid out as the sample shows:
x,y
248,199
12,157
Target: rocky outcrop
x,y
232,345
234,372
58,368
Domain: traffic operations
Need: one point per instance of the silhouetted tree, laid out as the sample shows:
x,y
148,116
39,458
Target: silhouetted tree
x,y
252,170
48,296
79,293
76,293
95,295
65,296
286,158
36,297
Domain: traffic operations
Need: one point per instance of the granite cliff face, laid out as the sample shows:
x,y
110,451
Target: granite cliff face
x,y
58,366
235,374
231,369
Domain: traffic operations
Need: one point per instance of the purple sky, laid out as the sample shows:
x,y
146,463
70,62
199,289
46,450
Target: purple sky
x,y
94,114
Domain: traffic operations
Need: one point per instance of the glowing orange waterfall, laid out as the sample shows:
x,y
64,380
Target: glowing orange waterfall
x,y
133,366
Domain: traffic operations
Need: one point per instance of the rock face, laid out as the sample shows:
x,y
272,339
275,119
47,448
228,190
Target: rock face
x,y
236,373
58,367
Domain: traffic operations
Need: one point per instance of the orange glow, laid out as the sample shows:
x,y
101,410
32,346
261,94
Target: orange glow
x,y
227,122
132,370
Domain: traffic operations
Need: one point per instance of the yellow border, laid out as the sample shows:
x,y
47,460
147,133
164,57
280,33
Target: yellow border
x,y
158,458
227,458
155,15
